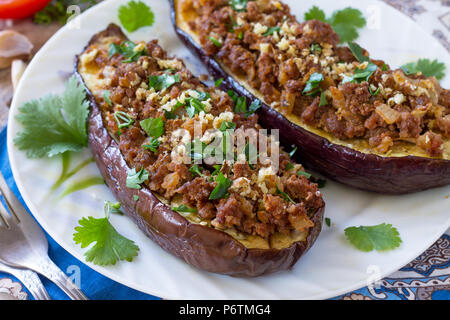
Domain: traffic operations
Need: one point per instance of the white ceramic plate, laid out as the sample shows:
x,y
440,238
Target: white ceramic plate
x,y
332,267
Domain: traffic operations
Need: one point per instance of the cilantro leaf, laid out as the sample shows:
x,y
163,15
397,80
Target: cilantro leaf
x,y
271,31
239,5
54,124
154,127
183,208
358,52
428,68
304,173
284,195
328,221
360,75
128,50
312,85
163,81
195,170
380,237
152,145
345,22
112,207
315,13
134,179
221,189
215,41
323,99
135,14
109,246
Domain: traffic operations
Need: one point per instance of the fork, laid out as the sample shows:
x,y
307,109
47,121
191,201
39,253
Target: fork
x,y
24,245
29,279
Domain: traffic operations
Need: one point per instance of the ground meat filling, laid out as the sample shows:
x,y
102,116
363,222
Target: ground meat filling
x,y
258,201
278,55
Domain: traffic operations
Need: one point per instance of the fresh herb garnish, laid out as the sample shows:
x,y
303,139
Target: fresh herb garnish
x,y
328,221
315,48
289,166
218,82
135,14
163,81
196,149
360,75
380,237
54,124
239,5
112,207
374,93
195,170
323,99
303,173
291,154
135,197
221,189
183,208
217,168
134,179
226,125
312,85
358,52
271,31
345,22
240,104
154,127
57,11
123,120
106,95
284,195
215,41
152,145
194,106
427,67
109,247
128,49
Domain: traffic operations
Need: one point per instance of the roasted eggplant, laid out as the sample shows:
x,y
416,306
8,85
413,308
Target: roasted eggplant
x,y
221,218
352,118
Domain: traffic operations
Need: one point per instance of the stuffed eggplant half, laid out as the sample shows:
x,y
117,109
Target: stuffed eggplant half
x,y
353,118
152,129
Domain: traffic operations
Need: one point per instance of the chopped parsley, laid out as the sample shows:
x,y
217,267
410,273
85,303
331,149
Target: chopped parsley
x,y
240,104
312,85
109,247
289,166
106,95
303,173
215,41
358,52
360,75
54,124
123,120
328,222
112,207
134,179
271,31
239,5
323,99
315,48
284,195
427,67
218,82
226,125
345,22
380,237
163,81
154,127
152,145
195,170
183,208
135,14
126,49
221,189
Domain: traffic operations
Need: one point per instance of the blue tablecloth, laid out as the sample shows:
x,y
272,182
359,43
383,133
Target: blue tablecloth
x,y
427,277
93,284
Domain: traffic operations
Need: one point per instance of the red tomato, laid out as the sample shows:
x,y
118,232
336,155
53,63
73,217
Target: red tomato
x,y
17,9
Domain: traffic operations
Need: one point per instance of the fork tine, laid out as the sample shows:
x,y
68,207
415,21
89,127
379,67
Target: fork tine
x,y
10,198
4,216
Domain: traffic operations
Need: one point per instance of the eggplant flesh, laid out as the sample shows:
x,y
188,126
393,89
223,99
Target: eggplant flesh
x,y
200,246
405,170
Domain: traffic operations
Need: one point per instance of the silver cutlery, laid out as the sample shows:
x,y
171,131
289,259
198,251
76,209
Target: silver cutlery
x,y
29,279
24,245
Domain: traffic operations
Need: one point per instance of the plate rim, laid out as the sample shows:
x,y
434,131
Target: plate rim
x,y
104,270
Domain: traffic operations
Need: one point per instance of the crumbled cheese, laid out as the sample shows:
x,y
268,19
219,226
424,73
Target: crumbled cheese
x,y
259,28
242,186
169,64
210,135
180,133
399,98
283,44
108,72
139,47
179,154
264,48
224,116
141,94
263,173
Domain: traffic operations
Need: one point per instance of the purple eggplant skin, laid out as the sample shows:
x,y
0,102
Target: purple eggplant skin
x,y
200,246
369,172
